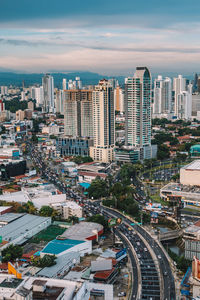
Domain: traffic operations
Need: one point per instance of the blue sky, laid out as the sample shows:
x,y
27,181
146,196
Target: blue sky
x,y
109,37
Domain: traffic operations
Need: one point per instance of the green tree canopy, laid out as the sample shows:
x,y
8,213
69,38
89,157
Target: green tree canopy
x,y
46,211
98,188
11,253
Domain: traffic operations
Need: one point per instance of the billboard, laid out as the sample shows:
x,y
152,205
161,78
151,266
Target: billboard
x,y
121,254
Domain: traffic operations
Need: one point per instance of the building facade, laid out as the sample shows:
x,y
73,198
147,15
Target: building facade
x,y
48,88
69,146
138,112
78,113
162,96
103,122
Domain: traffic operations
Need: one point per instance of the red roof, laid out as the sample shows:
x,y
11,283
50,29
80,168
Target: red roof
x,y
103,274
20,176
103,175
197,223
29,254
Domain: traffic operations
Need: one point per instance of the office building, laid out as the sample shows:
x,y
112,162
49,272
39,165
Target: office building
x,y
103,122
74,146
78,113
138,113
119,99
162,96
48,88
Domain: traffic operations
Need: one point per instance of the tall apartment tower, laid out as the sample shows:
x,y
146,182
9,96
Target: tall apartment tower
x,y
138,108
119,99
48,88
103,122
162,96
60,101
37,93
179,87
78,113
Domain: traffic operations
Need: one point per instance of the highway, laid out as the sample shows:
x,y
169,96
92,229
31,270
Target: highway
x,y
151,289
165,269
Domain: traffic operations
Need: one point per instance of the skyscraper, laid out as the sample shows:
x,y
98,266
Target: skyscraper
x,y
162,96
48,87
138,108
103,122
138,113
119,99
60,101
37,93
78,113
179,87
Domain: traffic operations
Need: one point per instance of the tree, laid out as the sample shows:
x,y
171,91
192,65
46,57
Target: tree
x,y
46,211
11,253
98,188
163,152
45,261
81,159
100,220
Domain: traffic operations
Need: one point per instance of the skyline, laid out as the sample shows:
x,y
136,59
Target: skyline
x,y
108,38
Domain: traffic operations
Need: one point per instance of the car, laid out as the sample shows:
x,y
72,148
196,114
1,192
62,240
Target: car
x,y
159,256
122,294
165,273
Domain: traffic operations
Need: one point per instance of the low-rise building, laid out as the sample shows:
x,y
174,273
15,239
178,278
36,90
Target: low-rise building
x,y
190,174
68,209
21,229
191,236
74,146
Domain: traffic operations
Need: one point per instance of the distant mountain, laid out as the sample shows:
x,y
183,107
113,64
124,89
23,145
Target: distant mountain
x,y
16,79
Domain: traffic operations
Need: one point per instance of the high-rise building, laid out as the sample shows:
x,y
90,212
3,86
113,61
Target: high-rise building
x,y
138,108
119,99
179,87
182,98
75,84
78,113
198,84
64,84
138,113
103,122
162,96
60,102
48,87
37,93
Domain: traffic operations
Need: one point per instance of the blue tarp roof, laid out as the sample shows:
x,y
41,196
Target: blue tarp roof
x,y
85,185
58,246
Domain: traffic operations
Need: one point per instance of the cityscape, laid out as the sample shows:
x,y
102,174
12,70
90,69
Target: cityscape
x,y
99,150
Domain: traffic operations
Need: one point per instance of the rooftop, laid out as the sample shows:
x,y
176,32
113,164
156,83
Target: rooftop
x,y
82,231
58,246
22,225
63,263
11,283
195,165
10,217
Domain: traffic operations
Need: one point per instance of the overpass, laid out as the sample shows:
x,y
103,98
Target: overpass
x,y
170,235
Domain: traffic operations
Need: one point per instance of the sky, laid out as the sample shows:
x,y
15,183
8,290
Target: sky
x,y
108,37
